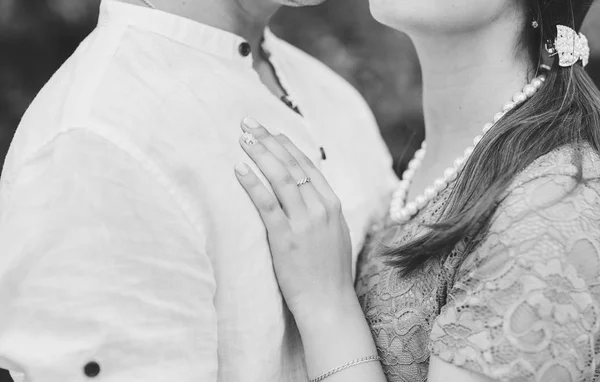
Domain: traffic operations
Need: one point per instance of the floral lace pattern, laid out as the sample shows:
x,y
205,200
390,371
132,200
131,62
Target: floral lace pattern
x,y
524,305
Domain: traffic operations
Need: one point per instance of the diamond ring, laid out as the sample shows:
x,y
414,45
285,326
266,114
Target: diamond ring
x,y
303,181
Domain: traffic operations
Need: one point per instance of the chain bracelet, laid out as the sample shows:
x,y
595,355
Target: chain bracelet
x,y
149,4
373,358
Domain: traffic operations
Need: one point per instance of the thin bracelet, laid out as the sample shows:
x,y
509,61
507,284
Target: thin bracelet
x,y
331,372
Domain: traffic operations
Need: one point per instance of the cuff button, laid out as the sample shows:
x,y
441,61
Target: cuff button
x,y
91,369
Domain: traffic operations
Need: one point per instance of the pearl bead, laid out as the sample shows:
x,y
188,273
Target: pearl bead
x,y
420,201
413,164
487,127
450,173
508,106
405,215
477,139
468,151
430,193
529,90
537,83
419,154
542,78
408,174
411,208
440,184
519,98
458,162
498,116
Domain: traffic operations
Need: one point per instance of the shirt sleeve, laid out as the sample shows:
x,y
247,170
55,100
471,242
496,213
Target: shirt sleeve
x,y
525,304
101,273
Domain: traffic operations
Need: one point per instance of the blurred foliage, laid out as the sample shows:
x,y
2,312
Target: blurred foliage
x,y
36,36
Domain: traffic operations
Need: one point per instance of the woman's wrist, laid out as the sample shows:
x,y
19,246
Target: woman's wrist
x,y
334,333
327,310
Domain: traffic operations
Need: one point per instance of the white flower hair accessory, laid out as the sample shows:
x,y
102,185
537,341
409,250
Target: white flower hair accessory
x,y
570,47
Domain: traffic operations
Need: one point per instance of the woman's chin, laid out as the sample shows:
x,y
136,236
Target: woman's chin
x,y
382,11
441,16
394,13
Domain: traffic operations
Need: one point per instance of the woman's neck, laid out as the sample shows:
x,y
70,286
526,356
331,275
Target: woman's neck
x,y
467,78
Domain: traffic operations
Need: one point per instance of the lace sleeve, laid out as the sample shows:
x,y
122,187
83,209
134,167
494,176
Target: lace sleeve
x,y
525,304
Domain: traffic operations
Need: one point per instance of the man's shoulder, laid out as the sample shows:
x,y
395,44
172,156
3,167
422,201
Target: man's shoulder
x,y
65,100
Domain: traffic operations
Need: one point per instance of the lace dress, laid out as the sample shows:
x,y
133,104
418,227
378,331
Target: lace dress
x,y
524,305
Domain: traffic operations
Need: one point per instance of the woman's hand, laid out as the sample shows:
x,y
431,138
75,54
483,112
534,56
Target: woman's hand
x,y
307,232
311,250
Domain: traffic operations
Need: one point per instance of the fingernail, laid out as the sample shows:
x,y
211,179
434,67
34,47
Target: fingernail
x,y
248,139
251,123
242,169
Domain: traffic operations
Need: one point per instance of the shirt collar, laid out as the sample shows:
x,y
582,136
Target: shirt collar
x,y
199,36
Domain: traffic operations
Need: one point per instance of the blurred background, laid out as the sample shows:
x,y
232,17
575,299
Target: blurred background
x,y
36,36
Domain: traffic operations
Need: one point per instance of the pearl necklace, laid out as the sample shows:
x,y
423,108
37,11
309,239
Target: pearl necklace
x,y
401,213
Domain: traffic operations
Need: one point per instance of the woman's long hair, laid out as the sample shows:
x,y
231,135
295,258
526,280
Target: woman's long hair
x,y
564,111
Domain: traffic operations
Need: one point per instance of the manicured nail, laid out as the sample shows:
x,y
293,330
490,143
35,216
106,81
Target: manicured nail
x,y
242,169
249,139
251,123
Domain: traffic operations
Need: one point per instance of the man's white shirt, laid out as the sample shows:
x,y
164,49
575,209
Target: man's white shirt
x,y
129,250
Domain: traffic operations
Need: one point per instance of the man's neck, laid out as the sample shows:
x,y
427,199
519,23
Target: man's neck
x,y
247,19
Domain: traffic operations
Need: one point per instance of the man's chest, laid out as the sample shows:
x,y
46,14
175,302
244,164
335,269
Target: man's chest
x,y
330,137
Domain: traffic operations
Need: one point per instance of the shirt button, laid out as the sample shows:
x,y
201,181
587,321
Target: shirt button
x,y
245,49
91,369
